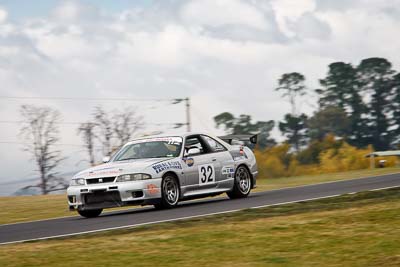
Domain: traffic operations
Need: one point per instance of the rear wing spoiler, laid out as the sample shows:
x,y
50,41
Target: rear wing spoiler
x,y
239,137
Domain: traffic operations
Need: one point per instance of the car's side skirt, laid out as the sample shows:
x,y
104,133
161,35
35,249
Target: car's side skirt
x,y
219,187
205,192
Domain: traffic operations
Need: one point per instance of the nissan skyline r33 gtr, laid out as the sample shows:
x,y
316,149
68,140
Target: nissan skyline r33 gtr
x,y
164,170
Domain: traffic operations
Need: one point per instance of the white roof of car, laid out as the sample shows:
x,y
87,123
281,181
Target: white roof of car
x,y
183,135
169,135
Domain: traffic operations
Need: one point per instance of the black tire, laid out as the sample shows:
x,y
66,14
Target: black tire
x,y
242,184
170,193
90,213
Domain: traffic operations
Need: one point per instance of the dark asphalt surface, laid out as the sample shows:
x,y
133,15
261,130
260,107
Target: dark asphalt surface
x,y
134,217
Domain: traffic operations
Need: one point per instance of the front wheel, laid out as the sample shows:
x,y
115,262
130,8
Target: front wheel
x,y
242,184
90,213
170,192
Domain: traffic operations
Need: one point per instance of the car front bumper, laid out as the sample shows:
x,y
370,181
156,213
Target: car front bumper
x,y
109,195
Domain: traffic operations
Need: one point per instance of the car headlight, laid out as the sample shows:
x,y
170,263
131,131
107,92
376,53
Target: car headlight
x,y
133,177
79,181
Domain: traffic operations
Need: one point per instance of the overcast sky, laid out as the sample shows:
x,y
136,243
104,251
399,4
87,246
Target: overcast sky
x,y
225,54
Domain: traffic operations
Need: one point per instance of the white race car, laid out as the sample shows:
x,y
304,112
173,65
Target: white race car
x,y
164,170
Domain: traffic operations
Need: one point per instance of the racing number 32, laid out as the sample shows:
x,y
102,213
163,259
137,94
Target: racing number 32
x,y
206,174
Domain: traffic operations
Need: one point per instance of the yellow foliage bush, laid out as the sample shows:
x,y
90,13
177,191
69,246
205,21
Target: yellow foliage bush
x,y
345,158
337,156
271,161
273,167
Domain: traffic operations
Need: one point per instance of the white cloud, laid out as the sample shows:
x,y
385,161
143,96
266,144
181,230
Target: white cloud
x,y
288,11
67,11
292,8
73,10
3,15
310,26
164,48
217,13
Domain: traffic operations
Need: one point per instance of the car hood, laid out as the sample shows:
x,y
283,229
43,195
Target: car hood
x,y
117,168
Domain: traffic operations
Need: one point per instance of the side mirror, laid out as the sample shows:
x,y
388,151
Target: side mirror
x,y
106,159
193,151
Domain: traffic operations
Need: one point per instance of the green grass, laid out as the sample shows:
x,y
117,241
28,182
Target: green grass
x,y
352,230
29,208
20,209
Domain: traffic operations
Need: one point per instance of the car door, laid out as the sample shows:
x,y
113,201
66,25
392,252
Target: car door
x,y
223,161
200,169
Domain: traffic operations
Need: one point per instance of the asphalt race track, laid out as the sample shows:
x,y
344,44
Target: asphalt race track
x,y
67,226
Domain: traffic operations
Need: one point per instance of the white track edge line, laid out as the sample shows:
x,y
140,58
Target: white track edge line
x,y
184,218
383,188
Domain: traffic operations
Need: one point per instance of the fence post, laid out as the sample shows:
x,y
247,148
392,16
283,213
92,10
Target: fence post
x,y
372,161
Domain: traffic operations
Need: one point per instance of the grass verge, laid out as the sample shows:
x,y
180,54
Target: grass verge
x,y
28,208
351,230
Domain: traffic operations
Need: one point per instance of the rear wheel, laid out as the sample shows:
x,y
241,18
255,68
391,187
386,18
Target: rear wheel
x,y
90,213
242,185
170,192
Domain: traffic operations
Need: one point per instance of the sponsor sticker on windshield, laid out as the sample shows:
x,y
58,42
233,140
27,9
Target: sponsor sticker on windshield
x,y
172,140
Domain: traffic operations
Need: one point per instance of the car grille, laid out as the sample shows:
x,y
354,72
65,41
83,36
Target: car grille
x,y
100,180
105,198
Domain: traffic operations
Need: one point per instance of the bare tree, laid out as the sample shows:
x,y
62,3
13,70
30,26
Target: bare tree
x,y
105,129
40,132
116,126
87,130
126,123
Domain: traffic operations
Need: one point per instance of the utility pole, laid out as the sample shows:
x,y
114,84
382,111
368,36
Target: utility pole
x,y
188,124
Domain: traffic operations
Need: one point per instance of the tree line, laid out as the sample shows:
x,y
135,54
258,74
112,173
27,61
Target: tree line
x,y
359,104
358,111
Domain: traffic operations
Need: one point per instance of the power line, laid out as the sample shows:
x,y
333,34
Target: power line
x,y
22,143
89,98
77,123
172,101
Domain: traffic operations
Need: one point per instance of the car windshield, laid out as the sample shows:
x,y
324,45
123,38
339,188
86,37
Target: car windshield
x,y
151,148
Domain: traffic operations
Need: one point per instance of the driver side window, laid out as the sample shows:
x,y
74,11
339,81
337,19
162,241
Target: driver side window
x,y
194,142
